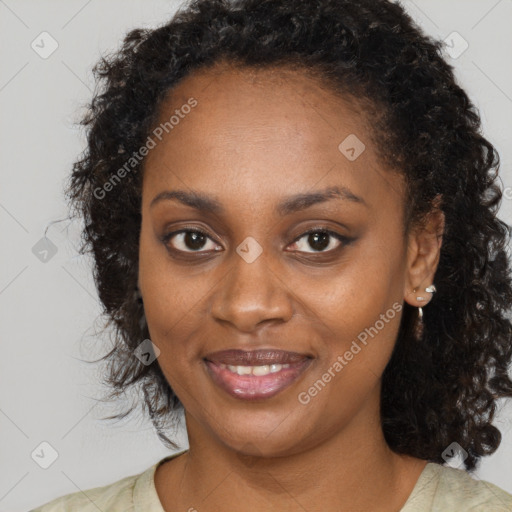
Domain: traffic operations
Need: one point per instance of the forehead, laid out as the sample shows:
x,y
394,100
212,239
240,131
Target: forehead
x,y
260,130
271,98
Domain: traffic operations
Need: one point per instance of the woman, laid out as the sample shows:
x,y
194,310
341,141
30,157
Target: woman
x,y
293,220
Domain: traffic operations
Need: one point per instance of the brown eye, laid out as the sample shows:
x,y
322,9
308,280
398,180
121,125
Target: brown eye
x,y
319,240
188,240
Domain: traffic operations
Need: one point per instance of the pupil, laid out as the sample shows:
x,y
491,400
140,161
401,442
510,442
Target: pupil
x,y
194,240
317,241
313,240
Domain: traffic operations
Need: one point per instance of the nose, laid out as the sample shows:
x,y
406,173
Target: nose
x,y
252,294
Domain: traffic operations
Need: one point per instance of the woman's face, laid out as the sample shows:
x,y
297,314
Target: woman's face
x,y
252,146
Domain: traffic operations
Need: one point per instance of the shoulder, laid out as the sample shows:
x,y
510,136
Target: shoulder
x,y
115,497
134,492
447,488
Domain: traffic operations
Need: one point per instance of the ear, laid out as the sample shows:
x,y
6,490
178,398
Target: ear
x,y
423,253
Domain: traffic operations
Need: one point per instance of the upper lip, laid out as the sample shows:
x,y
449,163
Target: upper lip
x,y
236,357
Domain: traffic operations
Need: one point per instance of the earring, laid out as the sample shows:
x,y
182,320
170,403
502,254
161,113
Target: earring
x,y
142,319
419,326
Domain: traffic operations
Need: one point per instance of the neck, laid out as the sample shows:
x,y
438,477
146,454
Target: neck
x,y
352,470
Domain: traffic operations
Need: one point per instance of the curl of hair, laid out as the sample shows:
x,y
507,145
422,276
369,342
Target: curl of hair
x,y
436,389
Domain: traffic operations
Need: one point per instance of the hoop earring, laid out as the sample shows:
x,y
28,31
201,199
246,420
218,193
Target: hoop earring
x,y
419,325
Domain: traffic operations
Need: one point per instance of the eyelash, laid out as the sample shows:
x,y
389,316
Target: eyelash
x,y
319,229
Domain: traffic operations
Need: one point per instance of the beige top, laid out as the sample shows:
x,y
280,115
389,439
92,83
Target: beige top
x,y
438,489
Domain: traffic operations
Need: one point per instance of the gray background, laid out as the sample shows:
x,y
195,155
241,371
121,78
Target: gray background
x,y
49,310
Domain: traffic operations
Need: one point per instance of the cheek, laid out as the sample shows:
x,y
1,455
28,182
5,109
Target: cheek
x,y
362,335
175,317
359,313
350,302
174,299
357,353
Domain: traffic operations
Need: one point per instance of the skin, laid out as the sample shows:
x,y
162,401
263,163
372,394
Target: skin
x,y
255,138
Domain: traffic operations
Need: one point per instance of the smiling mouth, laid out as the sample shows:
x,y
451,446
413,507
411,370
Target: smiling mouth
x,y
255,381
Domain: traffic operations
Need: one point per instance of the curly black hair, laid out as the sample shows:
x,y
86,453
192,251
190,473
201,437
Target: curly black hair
x,y
438,388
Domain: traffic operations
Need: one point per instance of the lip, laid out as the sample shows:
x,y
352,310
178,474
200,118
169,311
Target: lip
x,y
253,387
236,357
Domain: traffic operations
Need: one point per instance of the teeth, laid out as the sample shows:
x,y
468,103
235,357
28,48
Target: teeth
x,y
241,370
261,370
255,370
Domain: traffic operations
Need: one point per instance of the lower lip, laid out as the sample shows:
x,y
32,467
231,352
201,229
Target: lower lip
x,y
253,387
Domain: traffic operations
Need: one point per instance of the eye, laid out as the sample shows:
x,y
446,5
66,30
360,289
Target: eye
x,y
320,239
189,240
195,240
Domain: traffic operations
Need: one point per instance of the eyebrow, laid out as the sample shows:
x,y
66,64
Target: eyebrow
x,y
288,206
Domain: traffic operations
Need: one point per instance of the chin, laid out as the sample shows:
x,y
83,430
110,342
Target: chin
x,y
266,435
